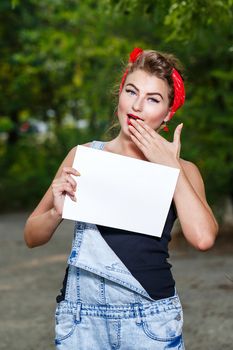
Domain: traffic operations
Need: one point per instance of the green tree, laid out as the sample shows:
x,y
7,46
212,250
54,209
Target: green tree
x,y
63,58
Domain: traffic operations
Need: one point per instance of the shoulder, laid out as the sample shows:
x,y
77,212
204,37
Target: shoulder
x,y
193,174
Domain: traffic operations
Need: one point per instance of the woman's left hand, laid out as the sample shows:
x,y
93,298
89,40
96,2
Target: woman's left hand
x,y
156,148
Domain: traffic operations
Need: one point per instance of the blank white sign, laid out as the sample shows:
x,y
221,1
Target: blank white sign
x,y
121,192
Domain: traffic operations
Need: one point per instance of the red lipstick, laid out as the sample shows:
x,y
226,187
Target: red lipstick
x,y
132,116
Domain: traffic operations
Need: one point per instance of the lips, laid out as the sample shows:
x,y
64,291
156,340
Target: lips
x,y
132,116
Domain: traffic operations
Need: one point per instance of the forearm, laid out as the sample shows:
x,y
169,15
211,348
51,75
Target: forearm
x,y
40,228
196,218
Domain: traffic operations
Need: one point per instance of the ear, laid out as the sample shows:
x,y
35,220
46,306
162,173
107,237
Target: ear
x,y
167,116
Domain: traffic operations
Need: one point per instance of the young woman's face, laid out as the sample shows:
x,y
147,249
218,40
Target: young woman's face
x,y
143,96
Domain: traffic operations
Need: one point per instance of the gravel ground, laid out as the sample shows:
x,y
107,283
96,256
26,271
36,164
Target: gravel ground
x,y
30,279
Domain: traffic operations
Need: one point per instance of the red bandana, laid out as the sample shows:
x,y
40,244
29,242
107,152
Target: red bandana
x,y
132,58
179,92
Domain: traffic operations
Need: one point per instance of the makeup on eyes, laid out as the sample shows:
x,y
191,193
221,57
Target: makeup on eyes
x,y
137,90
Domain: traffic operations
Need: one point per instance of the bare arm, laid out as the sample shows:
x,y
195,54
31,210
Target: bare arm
x,y
46,217
196,218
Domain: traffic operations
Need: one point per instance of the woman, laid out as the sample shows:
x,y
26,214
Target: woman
x,y
118,292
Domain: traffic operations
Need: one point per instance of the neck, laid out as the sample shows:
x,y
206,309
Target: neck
x,y
124,146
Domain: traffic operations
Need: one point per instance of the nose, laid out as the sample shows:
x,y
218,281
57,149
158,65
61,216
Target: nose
x,y
137,104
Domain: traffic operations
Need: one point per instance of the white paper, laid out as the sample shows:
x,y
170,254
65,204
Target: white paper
x,y
121,192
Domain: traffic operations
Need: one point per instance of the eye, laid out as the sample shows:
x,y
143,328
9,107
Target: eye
x,y
130,91
154,100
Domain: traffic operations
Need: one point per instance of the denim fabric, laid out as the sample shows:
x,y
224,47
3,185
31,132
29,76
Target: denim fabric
x,y
106,308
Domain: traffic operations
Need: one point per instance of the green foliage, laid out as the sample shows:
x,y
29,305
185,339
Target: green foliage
x,y
184,16
5,124
63,58
28,168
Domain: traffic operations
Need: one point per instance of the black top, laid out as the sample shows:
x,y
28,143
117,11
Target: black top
x,y
144,256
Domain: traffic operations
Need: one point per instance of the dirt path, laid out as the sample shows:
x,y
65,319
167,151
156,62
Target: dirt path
x,y
30,280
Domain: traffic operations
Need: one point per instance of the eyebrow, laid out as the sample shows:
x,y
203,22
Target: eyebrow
x,y
149,93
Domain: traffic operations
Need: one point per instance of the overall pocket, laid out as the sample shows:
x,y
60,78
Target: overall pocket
x,y
65,324
164,326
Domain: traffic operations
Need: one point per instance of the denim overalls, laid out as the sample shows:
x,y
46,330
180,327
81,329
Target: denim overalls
x,y
105,307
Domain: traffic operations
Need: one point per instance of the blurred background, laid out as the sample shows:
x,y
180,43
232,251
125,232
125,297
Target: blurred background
x,y
61,62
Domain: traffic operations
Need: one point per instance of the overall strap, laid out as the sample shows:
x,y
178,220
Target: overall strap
x,y
98,145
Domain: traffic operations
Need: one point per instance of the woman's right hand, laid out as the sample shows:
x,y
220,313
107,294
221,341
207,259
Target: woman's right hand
x,y
63,185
